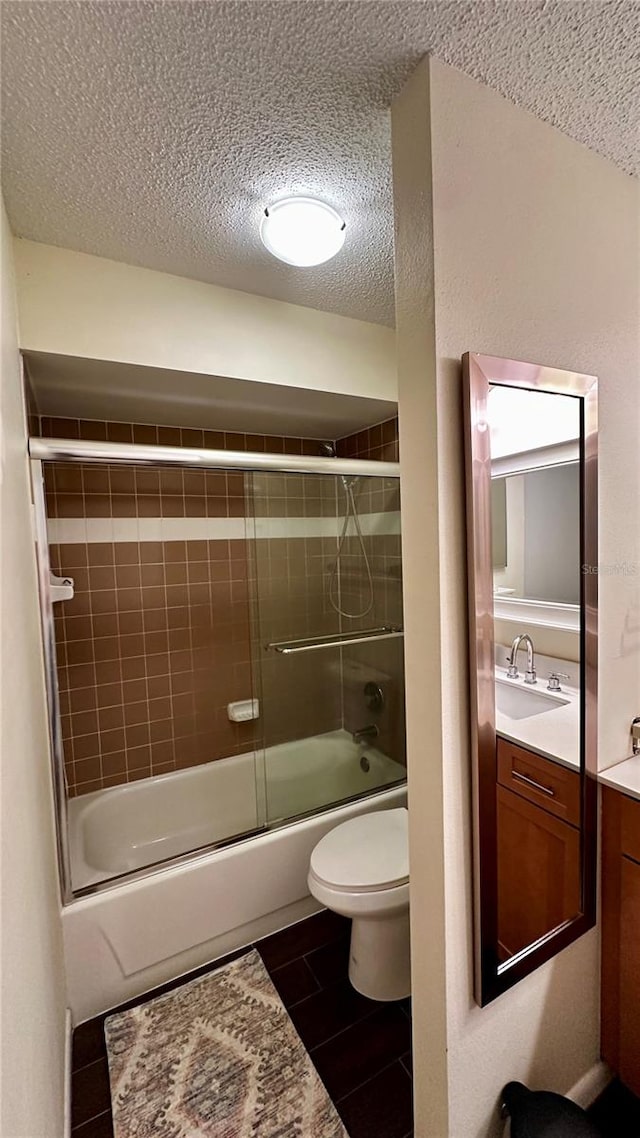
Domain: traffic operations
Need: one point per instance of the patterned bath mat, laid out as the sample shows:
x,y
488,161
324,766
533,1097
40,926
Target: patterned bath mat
x,y
217,1058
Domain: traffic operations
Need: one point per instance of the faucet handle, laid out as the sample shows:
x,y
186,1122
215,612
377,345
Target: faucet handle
x,y
512,671
554,680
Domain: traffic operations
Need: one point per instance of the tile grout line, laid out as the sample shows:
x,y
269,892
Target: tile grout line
x,y
371,1079
337,1034
94,1118
91,1063
100,1114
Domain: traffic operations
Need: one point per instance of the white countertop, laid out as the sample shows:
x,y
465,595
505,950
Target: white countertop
x,y
624,776
554,734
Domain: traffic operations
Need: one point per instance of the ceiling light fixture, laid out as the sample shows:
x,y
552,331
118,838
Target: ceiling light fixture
x,y
302,231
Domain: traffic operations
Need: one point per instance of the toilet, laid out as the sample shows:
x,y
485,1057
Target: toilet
x,y
361,870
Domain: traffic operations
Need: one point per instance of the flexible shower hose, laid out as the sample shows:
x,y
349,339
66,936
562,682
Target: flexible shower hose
x,y
335,572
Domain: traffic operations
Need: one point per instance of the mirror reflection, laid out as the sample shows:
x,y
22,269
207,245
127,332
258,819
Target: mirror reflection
x,y
535,539
534,513
532,526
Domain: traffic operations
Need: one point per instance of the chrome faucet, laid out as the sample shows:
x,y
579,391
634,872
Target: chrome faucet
x,y
366,734
512,670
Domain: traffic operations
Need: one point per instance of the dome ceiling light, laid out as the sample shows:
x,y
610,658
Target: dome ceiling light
x,y
302,231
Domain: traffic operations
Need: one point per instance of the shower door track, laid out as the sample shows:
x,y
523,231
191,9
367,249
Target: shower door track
x,y
80,450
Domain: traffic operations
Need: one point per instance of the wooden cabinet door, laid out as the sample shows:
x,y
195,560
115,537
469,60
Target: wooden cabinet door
x,y
538,872
621,935
629,1053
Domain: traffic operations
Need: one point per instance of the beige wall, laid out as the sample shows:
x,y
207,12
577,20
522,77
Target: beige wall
x,y
417,393
75,304
33,999
534,257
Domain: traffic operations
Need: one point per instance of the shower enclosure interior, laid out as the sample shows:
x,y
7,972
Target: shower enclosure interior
x,y
223,645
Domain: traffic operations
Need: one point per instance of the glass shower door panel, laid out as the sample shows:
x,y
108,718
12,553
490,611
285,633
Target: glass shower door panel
x,y
154,663
314,569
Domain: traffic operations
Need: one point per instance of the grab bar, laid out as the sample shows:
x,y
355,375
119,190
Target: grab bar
x,y
333,640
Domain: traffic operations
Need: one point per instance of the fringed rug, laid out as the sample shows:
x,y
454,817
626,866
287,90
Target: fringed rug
x,y
217,1058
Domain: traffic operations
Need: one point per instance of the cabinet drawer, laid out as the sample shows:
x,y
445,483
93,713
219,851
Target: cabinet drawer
x,y
540,780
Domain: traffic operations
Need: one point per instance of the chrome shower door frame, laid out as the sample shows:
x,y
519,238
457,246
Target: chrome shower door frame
x,y
56,750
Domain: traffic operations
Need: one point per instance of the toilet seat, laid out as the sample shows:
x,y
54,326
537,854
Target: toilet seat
x,y
368,854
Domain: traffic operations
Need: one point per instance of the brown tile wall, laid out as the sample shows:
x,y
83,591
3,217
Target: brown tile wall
x,y
376,443
151,648
144,433
76,490
301,694
156,641
160,636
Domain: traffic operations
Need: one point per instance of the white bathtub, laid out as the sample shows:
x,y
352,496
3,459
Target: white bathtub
x,y
119,830
134,935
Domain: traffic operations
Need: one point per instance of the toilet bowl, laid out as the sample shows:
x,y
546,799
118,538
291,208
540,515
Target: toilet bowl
x,y
361,870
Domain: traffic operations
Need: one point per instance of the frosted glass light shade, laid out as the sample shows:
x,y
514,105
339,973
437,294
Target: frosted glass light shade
x,y
302,231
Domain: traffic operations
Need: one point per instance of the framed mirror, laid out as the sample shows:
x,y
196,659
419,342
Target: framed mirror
x,y
531,460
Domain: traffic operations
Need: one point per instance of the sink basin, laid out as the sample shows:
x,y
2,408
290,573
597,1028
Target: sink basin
x,y
521,703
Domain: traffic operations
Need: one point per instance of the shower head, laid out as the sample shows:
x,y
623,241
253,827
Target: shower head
x,y
328,450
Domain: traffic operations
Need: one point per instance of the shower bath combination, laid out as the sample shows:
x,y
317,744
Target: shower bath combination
x,y
149,771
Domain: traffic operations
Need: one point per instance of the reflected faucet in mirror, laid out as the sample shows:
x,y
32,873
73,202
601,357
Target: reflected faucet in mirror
x,y
512,659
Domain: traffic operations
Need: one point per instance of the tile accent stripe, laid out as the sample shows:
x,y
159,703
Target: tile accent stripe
x,y
90,531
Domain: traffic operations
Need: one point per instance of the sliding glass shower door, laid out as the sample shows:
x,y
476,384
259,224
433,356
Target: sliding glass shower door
x,y
327,572
223,648
151,634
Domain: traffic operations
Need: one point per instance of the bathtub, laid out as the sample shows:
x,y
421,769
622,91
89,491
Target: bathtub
x,y
123,829
139,932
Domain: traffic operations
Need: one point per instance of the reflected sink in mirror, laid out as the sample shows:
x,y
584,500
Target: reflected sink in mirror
x,y
522,703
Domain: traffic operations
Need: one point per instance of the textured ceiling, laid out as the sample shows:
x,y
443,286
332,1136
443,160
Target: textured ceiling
x,y
154,133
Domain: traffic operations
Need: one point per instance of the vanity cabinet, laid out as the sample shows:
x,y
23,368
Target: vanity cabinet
x,y
621,935
538,836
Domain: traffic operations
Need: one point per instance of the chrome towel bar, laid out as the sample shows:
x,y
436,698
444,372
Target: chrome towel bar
x,y
335,640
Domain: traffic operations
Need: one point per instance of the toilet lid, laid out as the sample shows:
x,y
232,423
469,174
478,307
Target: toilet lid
x,y
365,854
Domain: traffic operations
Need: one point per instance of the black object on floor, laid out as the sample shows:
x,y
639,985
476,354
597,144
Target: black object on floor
x,y
543,1114
360,1048
617,1112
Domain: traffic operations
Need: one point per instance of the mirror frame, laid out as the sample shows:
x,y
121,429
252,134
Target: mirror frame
x,y
479,372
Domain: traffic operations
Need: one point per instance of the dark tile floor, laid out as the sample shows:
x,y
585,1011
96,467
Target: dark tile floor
x,y
617,1112
360,1048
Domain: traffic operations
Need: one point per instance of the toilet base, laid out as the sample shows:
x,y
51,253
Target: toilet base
x,y
379,957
